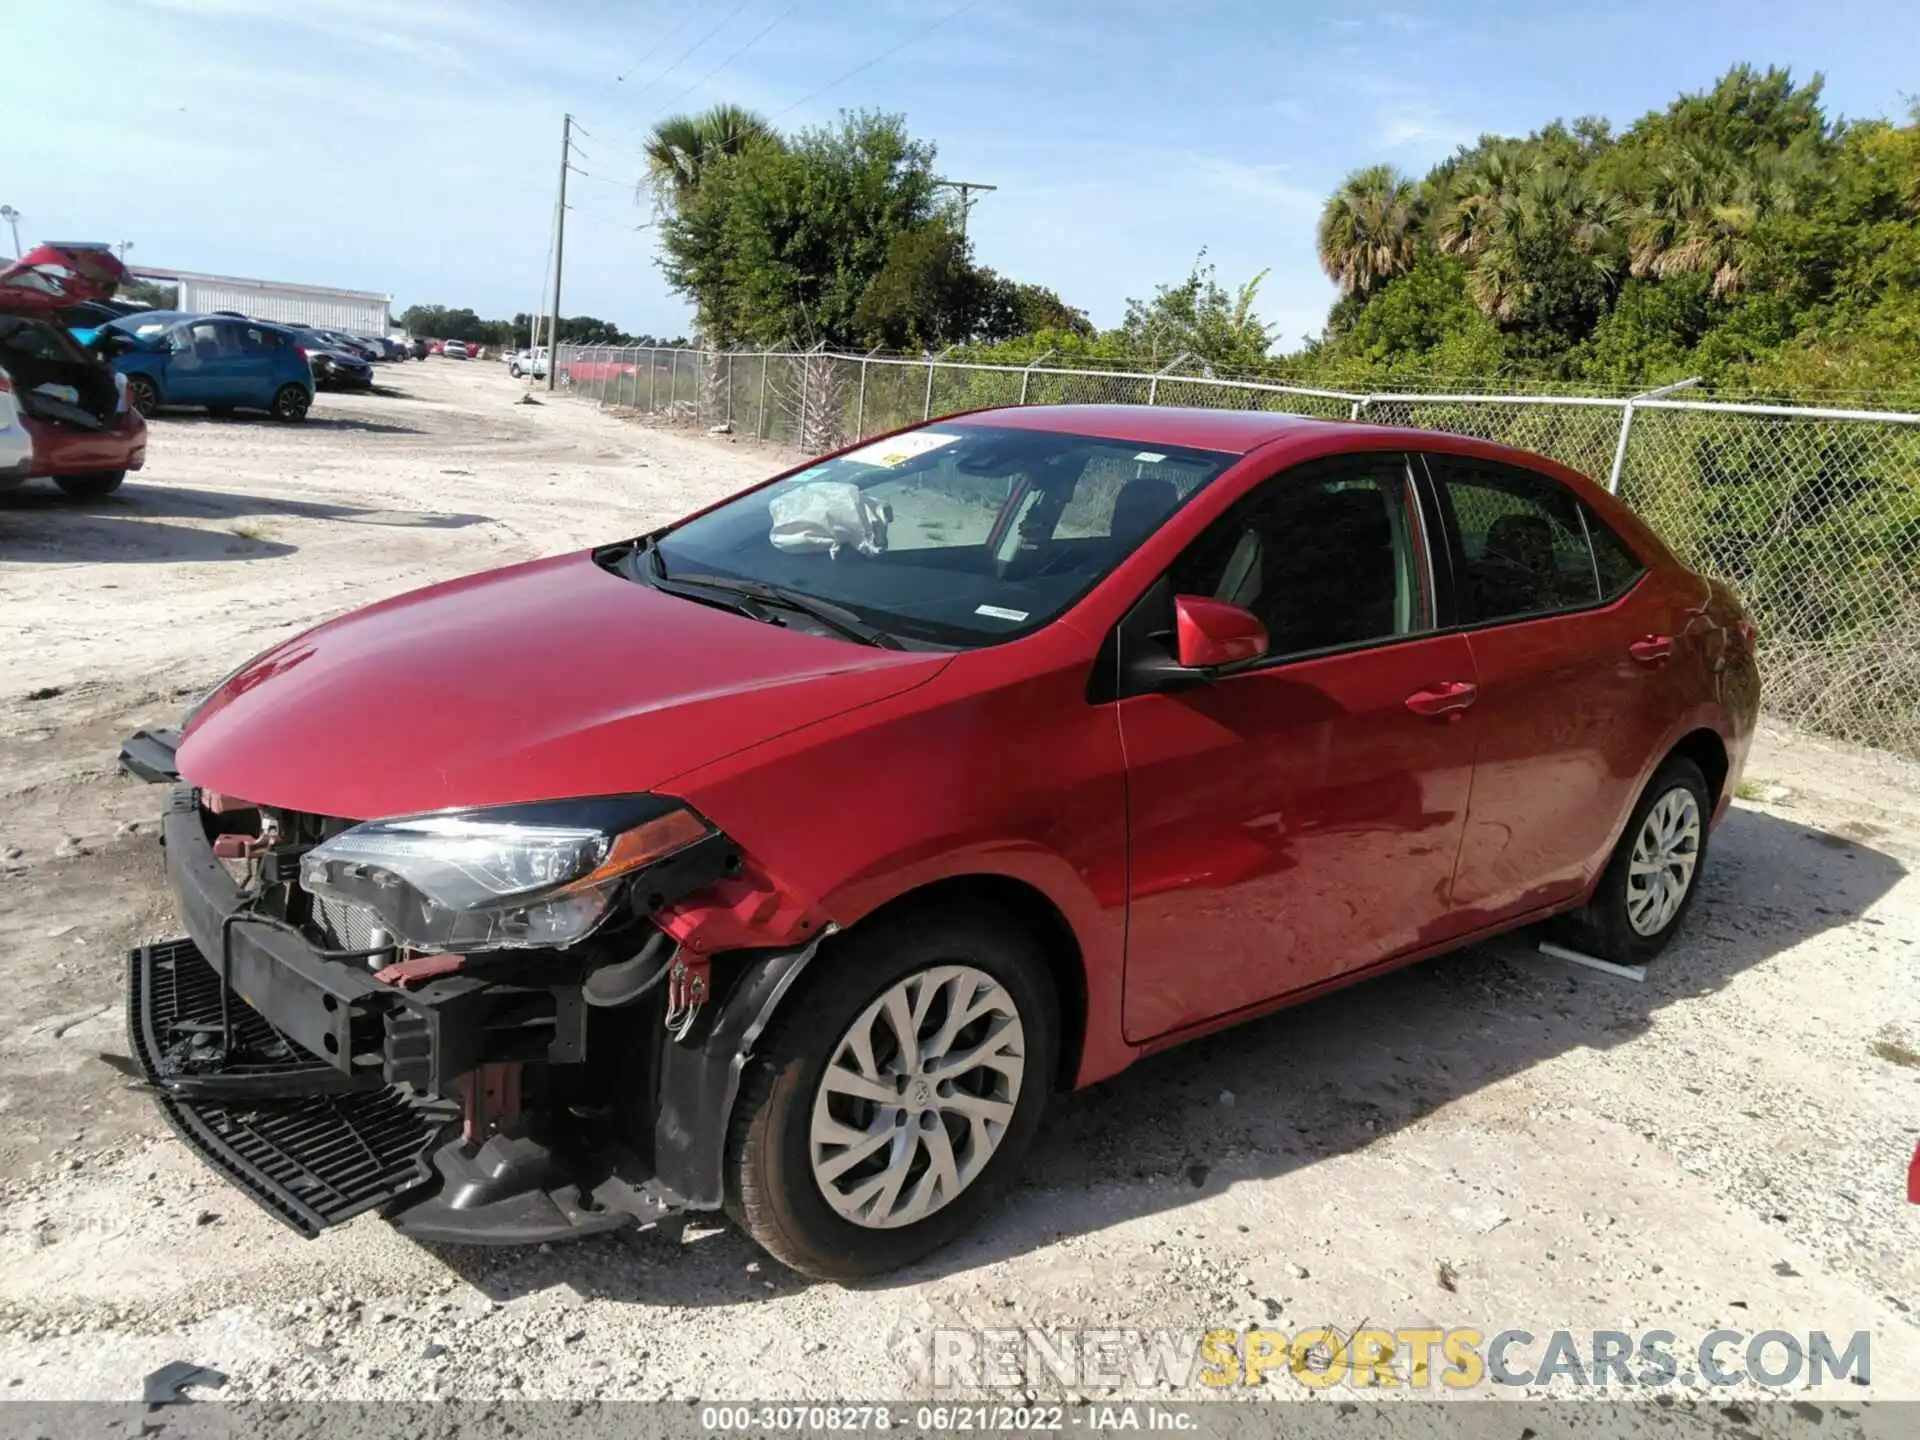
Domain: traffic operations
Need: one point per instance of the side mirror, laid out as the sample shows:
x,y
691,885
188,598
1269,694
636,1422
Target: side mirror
x,y
1211,633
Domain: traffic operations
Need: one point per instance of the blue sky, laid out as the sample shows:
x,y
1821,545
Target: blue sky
x,y
409,146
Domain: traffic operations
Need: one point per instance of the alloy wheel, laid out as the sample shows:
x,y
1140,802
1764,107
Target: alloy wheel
x,y
917,1096
1665,855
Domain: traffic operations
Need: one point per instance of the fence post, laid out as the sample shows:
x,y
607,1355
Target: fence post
x,y
1027,374
760,423
1626,425
926,411
1153,384
729,392
806,371
860,405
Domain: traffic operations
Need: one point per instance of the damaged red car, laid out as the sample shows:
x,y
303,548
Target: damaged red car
x,y
787,859
64,413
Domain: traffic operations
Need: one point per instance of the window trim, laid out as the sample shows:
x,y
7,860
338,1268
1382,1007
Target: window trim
x,y
1456,551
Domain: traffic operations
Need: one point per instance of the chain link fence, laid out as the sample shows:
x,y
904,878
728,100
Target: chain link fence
x,y
1813,514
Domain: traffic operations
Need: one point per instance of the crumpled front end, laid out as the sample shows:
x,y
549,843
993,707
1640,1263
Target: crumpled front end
x,y
496,1091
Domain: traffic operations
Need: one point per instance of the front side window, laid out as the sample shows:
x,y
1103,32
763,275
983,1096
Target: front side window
x,y
1520,543
956,534
1328,556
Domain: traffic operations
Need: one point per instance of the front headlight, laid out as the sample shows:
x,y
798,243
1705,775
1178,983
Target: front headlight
x,y
537,876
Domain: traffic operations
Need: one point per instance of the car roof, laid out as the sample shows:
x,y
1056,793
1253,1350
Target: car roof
x,y
1240,432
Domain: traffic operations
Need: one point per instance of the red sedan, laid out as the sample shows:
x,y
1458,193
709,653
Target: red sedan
x,y
789,858
64,413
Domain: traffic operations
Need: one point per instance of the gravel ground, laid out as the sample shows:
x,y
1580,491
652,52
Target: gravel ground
x,y
1493,1140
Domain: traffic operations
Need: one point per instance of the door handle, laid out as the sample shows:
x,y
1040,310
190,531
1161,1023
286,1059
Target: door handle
x,y
1651,649
1449,699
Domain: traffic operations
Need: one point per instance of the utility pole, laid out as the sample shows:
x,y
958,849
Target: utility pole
x,y
12,217
966,189
559,253
123,247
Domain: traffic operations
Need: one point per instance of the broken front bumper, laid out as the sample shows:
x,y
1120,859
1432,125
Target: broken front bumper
x,y
323,1092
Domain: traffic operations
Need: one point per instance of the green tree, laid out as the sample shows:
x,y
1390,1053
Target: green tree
x,y
682,148
1369,230
1199,318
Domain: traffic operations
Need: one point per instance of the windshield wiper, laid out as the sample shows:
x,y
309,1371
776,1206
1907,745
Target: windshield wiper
x,y
834,617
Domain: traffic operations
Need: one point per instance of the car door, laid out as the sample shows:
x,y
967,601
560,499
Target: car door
x,y
257,366
1299,819
206,366
1572,702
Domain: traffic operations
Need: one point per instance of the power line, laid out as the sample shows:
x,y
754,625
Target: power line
x,y
888,53
759,35
718,25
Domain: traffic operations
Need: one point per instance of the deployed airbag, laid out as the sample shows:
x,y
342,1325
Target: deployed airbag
x,y
825,516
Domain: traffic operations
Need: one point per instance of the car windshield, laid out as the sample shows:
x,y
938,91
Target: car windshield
x,y
953,535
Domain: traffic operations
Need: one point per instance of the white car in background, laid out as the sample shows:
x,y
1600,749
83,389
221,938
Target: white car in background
x,y
528,362
456,350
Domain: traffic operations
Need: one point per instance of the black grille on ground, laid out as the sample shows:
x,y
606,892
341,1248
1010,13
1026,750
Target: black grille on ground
x,y
313,1160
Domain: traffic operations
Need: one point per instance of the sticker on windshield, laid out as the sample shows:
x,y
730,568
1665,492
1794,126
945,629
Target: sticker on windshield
x,y
897,450
1151,457
996,612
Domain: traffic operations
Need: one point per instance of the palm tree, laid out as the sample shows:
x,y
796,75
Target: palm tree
x,y
1369,230
682,148
1701,210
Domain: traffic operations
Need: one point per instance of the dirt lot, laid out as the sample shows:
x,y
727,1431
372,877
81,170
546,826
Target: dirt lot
x,y
1494,1140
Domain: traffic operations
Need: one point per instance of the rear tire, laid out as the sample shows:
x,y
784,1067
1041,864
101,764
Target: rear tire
x,y
90,487
973,1122
143,394
291,403
1654,874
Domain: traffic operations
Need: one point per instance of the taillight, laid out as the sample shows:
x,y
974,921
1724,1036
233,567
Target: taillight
x,y
301,351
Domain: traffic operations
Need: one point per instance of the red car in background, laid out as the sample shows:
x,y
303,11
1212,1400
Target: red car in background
x,y
787,859
64,413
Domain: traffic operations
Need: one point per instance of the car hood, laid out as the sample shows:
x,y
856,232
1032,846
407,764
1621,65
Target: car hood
x,y
53,276
542,681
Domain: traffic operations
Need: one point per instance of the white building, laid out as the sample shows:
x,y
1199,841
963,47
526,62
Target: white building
x,y
358,312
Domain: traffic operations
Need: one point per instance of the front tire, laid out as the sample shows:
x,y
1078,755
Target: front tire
x,y
90,487
1654,874
144,395
893,1100
291,403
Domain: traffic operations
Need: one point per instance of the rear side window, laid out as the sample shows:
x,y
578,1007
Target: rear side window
x,y
1613,562
1519,539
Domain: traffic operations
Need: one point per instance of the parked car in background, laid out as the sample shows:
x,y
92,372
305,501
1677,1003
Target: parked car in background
x,y
455,350
335,367
64,413
528,362
436,347
419,347
212,361
794,855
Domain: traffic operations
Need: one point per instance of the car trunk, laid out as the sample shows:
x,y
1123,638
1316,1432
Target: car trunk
x,y
54,380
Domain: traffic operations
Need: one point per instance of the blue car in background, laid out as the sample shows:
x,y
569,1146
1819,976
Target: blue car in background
x,y
217,362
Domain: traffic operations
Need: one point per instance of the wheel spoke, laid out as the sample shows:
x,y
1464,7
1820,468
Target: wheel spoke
x,y
905,1034
843,1081
851,1156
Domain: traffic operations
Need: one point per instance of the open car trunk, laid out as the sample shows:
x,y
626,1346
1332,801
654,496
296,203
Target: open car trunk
x,y
53,378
